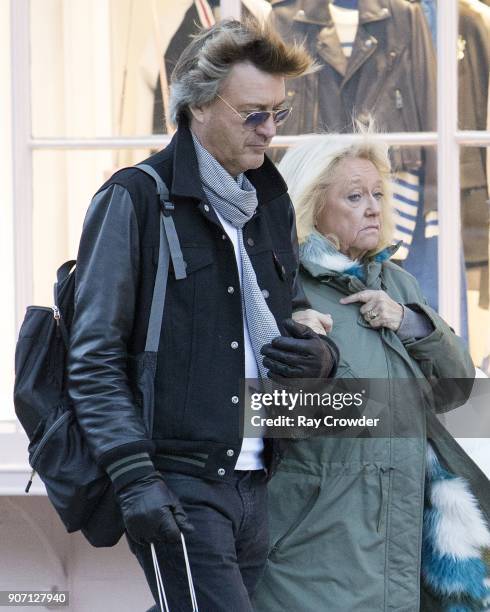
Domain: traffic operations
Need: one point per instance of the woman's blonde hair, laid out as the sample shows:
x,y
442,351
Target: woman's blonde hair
x,y
308,170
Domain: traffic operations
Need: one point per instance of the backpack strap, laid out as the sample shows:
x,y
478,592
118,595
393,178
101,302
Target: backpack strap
x,y
61,274
170,231
63,271
169,249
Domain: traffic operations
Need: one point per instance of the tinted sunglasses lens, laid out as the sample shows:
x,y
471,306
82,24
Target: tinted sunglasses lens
x,y
281,116
256,119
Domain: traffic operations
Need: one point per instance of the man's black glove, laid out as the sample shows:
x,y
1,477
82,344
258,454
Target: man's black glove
x,y
151,512
301,354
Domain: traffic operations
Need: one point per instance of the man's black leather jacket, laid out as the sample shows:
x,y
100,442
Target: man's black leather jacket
x,y
197,386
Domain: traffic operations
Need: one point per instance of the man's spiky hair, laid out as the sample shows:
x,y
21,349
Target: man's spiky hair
x,y
207,60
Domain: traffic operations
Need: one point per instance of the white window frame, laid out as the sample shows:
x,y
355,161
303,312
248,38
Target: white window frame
x,y
448,140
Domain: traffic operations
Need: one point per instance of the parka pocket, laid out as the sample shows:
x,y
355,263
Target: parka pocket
x,y
329,534
292,500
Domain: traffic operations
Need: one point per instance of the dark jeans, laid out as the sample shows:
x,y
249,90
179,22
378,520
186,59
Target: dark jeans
x,y
227,550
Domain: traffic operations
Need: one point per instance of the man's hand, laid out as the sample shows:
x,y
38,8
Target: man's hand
x,y
151,512
301,354
317,321
378,309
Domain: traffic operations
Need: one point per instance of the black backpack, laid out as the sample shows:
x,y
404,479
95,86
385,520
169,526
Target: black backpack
x,y
78,488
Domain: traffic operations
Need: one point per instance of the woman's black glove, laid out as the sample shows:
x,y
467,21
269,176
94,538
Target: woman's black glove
x,y
151,512
301,354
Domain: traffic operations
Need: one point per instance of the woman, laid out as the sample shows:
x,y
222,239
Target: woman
x,y
346,514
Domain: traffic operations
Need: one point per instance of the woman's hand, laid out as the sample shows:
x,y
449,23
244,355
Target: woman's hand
x,y
378,308
319,322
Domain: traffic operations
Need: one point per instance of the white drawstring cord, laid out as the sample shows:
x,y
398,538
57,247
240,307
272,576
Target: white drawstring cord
x,y
189,576
160,587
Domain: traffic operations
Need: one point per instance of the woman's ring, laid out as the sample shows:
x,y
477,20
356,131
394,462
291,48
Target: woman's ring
x,y
372,315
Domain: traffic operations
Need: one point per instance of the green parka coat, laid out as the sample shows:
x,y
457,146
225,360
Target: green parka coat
x,y
346,513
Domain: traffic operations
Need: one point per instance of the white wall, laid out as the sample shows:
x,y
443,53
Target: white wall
x,y
36,553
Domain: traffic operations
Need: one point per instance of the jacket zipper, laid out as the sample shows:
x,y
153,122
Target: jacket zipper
x,y
42,443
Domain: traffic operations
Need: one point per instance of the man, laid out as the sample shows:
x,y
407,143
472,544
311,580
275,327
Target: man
x,y
222,323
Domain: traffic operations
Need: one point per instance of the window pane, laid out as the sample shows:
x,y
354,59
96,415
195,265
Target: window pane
x,y
373,64
96,66
475,237
63,185
378,63
474,65
473,99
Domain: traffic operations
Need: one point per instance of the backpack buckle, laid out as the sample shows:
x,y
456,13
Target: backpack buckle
x,y
168,207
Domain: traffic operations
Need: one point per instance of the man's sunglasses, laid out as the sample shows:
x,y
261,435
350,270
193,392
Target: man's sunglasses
x,y
253,120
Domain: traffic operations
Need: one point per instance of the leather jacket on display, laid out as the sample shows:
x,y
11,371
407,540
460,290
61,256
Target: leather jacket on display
x,y
201,354
391,75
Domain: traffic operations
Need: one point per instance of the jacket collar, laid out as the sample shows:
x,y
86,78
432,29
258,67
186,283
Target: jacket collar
x,y
320,259
318,12
329,48
186,181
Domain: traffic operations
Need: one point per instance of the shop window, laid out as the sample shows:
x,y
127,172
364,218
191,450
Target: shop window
x,y
475,206
473,49
109,64
100,71
63,185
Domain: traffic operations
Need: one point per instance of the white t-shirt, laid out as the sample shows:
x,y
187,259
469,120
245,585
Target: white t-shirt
x,y
346,22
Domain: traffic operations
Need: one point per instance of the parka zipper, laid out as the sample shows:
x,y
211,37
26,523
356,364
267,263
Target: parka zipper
x,y
381,472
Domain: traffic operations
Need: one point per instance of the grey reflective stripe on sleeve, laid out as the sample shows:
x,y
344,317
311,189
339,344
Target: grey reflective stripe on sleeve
x,y
132,466
128,463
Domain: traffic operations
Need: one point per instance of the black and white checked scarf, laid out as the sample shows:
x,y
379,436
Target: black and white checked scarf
x,y
236,201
